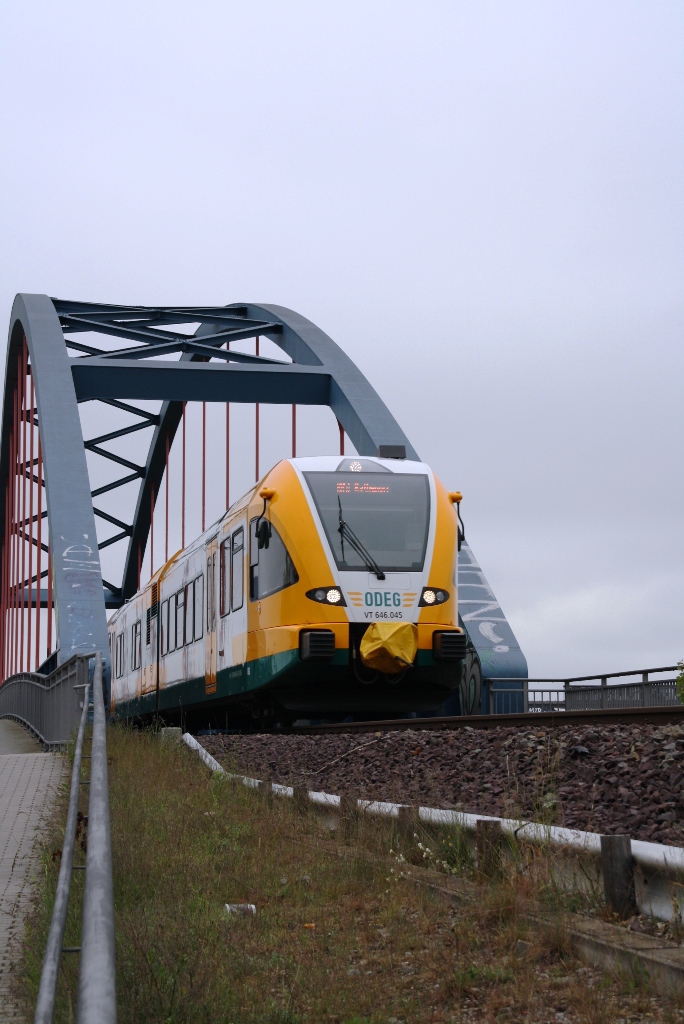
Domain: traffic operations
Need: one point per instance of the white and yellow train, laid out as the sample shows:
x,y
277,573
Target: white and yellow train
x,y
327,590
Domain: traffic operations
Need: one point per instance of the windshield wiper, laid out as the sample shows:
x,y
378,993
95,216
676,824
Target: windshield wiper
x,y
345,530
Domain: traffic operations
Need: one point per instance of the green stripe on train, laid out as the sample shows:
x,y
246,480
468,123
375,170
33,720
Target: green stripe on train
x,y
230,682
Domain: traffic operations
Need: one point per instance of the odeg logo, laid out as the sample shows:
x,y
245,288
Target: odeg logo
x,y
382,599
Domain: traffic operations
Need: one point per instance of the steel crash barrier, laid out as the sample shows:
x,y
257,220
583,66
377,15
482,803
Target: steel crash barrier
x,y
656,871
97,972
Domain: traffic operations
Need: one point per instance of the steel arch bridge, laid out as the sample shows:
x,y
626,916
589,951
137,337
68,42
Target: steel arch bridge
x,y
53,597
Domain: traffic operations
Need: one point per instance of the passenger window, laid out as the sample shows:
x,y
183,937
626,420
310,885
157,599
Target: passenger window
x,y
237,571
211,593
164,638
120,654
136,651
224,572
194,605
198,631
271,567
180,619
189,605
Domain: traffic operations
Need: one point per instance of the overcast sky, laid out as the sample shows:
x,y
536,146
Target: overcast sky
x,y
480,202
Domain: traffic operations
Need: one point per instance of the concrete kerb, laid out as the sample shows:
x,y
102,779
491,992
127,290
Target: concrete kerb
x,y
170,734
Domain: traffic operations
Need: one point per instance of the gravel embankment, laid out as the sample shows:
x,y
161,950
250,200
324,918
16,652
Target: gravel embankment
x,y
625,778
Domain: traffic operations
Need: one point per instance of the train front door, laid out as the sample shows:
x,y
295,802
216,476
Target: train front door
x,y
210,635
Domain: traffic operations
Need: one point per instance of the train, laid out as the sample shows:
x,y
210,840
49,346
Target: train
x,y
327,592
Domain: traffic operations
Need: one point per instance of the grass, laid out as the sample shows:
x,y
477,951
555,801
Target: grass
x,y
345,930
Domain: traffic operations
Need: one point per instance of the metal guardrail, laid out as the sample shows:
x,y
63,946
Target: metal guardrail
x,y
97,975
564,696
45,1003
49,706
658,873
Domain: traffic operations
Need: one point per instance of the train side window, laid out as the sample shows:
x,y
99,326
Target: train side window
x,y
237,569
120,655
198,630
164,626
136,644
180,619
224,576
208,595
194,607
271,567
213,590
211,593
189,608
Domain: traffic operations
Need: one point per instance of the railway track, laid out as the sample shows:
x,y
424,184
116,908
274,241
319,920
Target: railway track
x,y
546,719
610,772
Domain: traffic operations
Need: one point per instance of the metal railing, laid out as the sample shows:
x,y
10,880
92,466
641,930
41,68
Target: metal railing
x,y
49,706
53,951
568,695
97,974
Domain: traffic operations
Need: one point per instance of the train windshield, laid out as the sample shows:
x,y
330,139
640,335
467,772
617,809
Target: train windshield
x,y
389,513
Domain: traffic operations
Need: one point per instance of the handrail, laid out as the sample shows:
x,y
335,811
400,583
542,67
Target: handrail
x,y
643,672
45,1004
97,976
501,699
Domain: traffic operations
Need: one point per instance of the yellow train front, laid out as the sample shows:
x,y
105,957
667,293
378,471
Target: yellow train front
x,y
328,590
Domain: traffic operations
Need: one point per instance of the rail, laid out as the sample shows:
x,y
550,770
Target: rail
x,y
499,698
47,705
97,975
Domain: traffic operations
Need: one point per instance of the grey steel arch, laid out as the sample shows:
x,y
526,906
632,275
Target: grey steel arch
x,y
320,374
77,579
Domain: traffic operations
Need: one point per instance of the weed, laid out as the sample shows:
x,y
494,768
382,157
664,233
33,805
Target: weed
x,y
331,941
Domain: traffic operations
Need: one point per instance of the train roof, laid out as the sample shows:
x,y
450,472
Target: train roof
x,y
307,464
356,463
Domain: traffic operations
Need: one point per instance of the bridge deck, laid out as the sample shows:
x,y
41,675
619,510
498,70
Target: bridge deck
x,y
28,785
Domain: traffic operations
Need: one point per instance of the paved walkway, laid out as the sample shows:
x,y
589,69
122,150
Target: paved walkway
x,y
15,739
28,784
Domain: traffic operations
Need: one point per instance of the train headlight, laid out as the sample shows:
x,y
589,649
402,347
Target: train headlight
x,y
326,595
432,596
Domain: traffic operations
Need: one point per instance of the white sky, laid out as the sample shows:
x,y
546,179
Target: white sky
x,y
480,202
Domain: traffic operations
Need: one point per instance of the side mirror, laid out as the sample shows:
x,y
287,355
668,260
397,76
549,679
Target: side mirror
x,y
455,497
263,533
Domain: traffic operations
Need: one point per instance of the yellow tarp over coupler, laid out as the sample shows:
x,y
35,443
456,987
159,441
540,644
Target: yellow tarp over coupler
x,y
389,647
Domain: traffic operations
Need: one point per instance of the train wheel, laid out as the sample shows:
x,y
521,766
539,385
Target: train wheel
x,y
471,684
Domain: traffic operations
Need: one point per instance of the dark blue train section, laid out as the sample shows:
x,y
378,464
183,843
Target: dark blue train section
x,y
493,644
